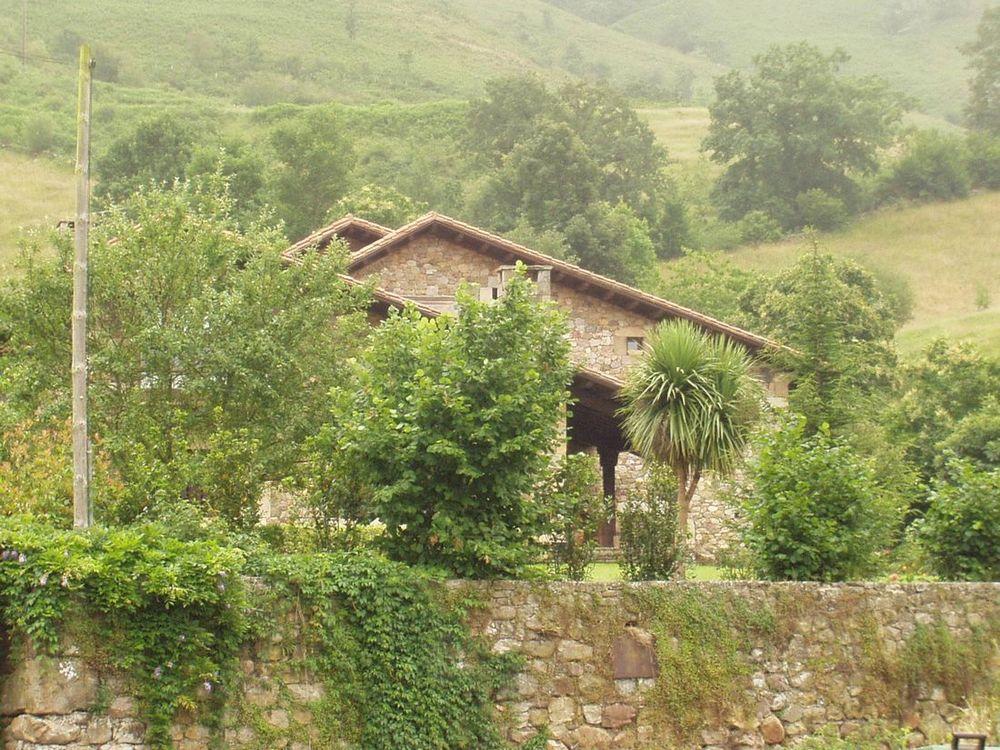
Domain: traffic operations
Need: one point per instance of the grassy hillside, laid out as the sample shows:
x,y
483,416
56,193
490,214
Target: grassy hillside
x,y
914,44
948,252
33,192
311,50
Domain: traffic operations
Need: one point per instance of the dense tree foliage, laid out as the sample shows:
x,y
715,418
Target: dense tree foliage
x,y
792,126
314,157
210,361
984,60
550,156
961,528
816,511
840,327
385,206
933,167
613,241
948,401
450,422
690,403
155,151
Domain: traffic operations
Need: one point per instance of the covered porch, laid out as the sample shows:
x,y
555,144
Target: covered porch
x,y
593,426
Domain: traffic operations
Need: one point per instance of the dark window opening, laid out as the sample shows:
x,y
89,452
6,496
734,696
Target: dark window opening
x,y
634,344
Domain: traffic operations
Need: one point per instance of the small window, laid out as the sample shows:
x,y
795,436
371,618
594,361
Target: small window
x,y
495,292
634,344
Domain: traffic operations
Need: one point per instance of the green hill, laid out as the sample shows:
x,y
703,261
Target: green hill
x,y
311,50
33,193
914,44
947,252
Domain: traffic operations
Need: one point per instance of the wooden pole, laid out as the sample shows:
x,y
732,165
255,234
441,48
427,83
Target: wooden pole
x,y
81,461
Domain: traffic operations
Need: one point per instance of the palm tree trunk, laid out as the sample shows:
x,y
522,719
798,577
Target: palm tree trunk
x,y
687,483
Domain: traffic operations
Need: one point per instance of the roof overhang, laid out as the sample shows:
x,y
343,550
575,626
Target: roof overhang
x,y
507,252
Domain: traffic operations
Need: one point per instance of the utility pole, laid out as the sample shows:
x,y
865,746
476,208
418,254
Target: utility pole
x,y
82,516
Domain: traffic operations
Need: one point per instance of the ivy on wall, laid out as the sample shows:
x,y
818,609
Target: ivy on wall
x,y
168,614
390,643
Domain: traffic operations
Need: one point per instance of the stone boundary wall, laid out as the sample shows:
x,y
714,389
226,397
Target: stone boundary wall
x,y
593,670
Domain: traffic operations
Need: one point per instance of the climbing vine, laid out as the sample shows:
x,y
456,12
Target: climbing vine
x,y
168,614
389,642
399,665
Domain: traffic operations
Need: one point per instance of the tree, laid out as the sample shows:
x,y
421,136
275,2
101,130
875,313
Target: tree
x,y
383,205
793,125
933,167
451,422
546,180
945,401
210,359
243,169
508,115
839,327
708,282
155,151
815,510
984,59
690,403
315,158
613,241
961,529
612,155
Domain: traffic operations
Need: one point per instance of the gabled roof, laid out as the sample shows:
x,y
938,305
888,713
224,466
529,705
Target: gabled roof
x,y
350,227
591,380
567,273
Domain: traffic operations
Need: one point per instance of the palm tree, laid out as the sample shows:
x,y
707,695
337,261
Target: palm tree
x,y
691,404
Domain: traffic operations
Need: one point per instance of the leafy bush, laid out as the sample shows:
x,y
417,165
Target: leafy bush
x,y
39,134
757,227
451,421
961,528
932,168
984,160
815,510
818,209
572,501
651,548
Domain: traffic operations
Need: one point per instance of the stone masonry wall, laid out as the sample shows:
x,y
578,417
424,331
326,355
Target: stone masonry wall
x,y
591,671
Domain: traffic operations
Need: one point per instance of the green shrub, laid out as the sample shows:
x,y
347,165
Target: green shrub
x,y
961,529
651,549
39,134
932,168
816,511
571,499
757,227
818,209
984,160
451,421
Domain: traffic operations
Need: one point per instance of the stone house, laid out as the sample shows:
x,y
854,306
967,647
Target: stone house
x,y
425,262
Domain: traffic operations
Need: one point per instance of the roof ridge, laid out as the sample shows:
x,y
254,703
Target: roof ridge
x,y
362,256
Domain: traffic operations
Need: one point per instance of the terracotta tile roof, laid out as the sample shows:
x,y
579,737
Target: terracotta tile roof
x,y
350,225
588,281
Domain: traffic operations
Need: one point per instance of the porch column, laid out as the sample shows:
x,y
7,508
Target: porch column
x,y
609,462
